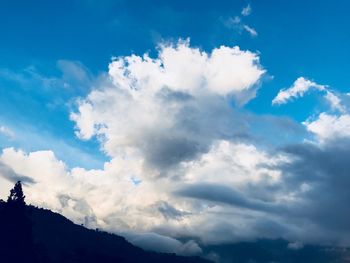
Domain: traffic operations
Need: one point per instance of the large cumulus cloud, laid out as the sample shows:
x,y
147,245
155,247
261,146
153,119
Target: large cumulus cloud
x,y
188,163
169,109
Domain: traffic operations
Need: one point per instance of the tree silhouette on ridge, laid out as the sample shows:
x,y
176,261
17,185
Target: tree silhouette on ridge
x,y
16,242
16,195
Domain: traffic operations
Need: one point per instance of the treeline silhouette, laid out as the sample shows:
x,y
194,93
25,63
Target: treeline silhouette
x,y
30,234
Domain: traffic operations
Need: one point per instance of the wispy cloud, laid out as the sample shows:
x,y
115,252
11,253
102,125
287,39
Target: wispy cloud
x,y
7,132
298,89
301,86
250,30
246,11
334,101
237,23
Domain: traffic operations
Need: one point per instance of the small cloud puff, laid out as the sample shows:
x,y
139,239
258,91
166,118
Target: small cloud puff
x,y
7,132
298,89
246,11
237,23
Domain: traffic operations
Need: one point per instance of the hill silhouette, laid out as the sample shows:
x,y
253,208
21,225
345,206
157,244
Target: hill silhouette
x,y
30,234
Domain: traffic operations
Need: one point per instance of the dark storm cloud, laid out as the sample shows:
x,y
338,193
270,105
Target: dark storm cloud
x,y
227,195
196,124
170,212
325,169
9,174
165,151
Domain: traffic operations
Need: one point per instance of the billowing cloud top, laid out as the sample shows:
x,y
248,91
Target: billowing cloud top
x,y
225,71
170,108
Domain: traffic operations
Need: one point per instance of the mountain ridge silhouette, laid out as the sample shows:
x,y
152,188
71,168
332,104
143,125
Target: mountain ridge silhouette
x,y
63,241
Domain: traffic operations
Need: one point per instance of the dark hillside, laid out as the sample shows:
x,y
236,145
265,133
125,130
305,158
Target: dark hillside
x,y
29,234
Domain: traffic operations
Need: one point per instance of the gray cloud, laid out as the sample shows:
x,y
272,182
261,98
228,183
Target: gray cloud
x,y
227,195
197,122
75,76
325,171
80,206
170,212
9,174
168,95
164,151
155,242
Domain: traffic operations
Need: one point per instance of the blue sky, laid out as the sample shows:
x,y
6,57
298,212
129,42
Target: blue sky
x,y
295,39
63,104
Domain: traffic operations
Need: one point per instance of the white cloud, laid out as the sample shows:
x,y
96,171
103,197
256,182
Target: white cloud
x,y
237,24
67,190
232,21
334,101
7,132
327,126
298,89
246,11
250,30
224,71
238,159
